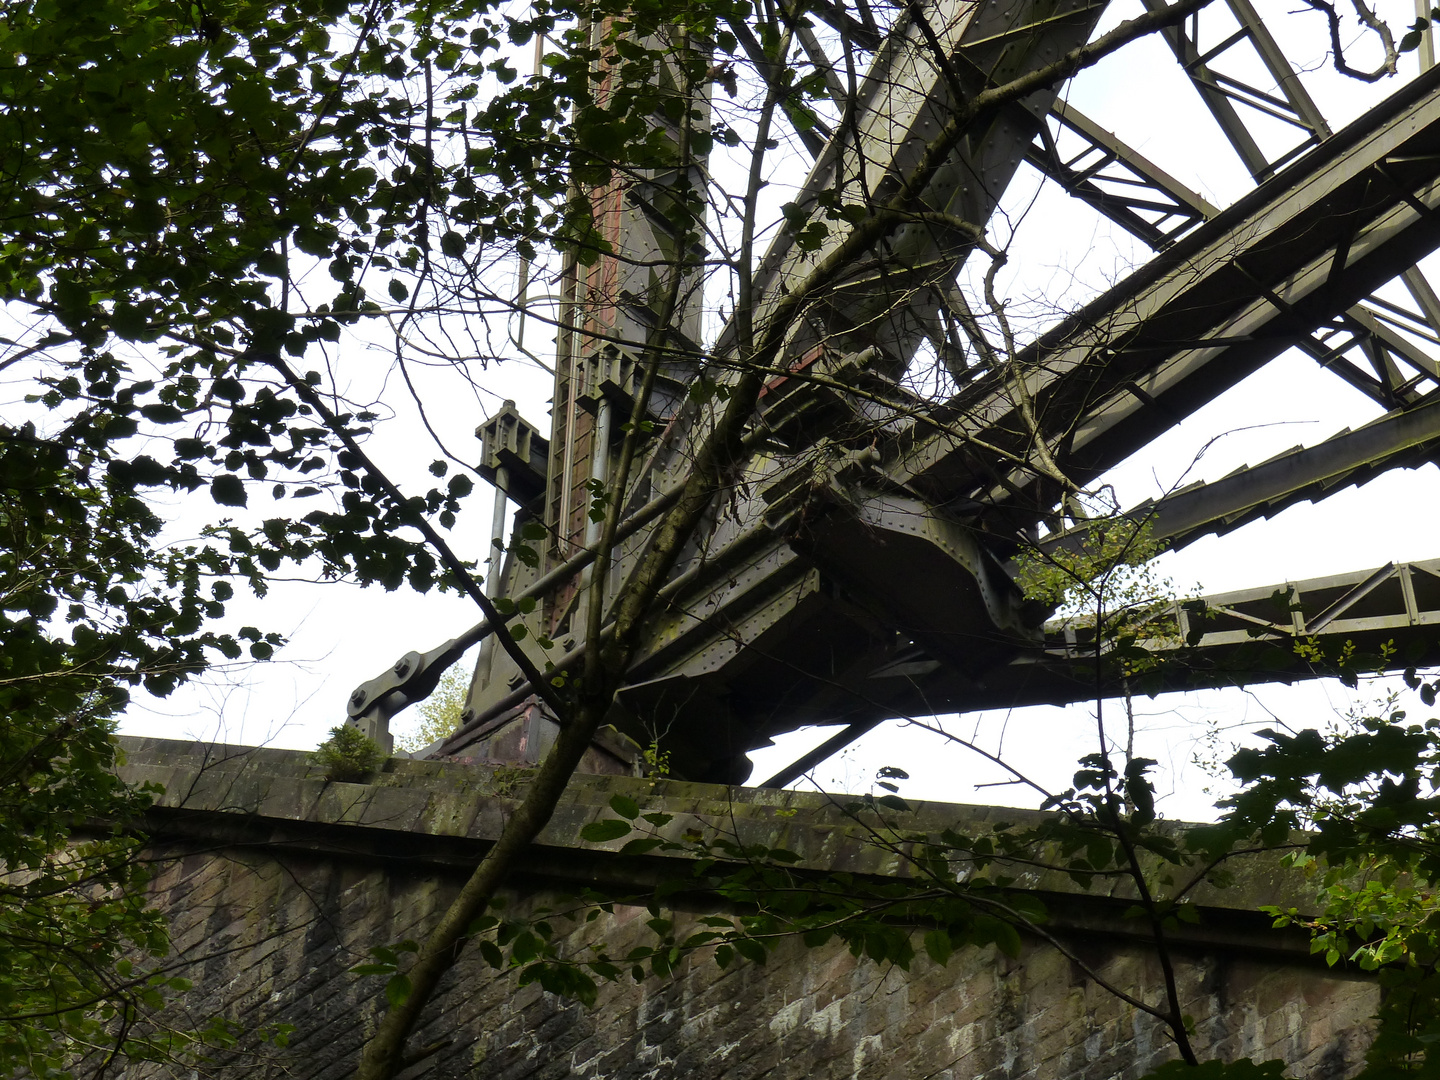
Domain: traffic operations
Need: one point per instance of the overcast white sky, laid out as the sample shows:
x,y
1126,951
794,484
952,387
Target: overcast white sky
x,y
1061,253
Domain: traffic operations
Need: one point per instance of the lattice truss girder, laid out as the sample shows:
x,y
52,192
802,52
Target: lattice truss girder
x,y
1251,635
1375,345
1203,314
1242,638
848,583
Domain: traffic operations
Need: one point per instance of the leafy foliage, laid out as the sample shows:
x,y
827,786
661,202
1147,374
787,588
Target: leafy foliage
x,y
1366,796
81,620
1416,31
196,198
168,167
439,714
1105,587
74,929
349,755
170,172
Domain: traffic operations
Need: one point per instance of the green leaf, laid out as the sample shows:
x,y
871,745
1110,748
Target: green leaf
x,y
599,832
625,806
750,949
397,990
491,953
481,924
162,414
1007,939
228,490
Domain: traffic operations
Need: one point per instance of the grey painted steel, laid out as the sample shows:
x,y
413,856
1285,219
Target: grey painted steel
x,y
1219,92
415,675
887,314
1249,636
1304,473
1243,638
845,585
1116,179
1361,346
1201,315
1222,92
928,685
903,102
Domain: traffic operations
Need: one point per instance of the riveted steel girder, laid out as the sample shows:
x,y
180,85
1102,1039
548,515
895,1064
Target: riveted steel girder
x,y
1197,318
848,585
1385,619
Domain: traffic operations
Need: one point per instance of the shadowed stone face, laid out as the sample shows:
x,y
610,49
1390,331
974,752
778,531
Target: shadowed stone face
x,y
277,883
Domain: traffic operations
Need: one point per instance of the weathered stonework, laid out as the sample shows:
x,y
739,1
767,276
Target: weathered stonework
x,y
278,882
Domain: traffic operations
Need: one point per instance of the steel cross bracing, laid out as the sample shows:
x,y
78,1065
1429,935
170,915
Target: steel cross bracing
x,y
1365,345
847,581
1201,315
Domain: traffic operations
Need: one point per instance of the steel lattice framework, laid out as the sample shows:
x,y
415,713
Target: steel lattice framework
x,y
849,580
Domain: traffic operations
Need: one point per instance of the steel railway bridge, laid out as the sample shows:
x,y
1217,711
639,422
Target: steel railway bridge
x,y
864,568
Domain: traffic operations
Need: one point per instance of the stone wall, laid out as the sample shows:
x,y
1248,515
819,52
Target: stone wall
x,y
278,882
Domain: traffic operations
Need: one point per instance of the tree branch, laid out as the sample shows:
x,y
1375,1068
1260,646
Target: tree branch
x,y
452,562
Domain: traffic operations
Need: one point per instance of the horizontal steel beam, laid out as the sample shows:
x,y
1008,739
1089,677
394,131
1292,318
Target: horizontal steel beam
x,y
1383,620
1387,618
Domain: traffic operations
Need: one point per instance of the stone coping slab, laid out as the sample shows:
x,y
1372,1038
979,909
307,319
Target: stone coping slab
x,y
451,812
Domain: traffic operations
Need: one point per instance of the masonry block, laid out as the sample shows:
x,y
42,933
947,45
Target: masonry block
x,y
269,929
